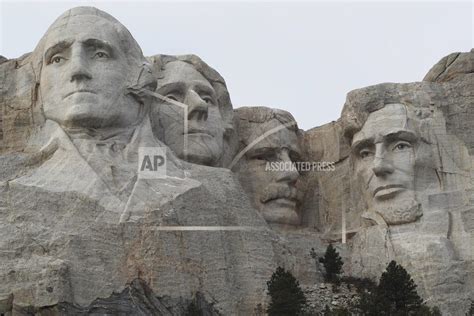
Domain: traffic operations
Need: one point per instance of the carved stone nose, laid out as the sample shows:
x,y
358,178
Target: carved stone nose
x,y
289,175
78,76
79,67
197,107
382,167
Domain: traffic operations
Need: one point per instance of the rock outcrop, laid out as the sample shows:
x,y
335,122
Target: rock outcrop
x,y
129,184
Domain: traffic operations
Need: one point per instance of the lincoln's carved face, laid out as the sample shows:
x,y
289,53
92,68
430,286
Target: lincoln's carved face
x,y
181,82
266,173
385,157
84,76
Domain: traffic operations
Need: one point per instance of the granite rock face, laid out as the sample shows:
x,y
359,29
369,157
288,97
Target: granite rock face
x,y
413,177
193,101
451,68
455,72
130,185
135,299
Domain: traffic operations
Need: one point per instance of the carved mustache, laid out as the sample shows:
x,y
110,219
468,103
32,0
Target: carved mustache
x,y
194,130
273,192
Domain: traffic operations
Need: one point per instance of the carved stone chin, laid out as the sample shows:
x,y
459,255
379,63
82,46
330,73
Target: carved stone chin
x,y
403,213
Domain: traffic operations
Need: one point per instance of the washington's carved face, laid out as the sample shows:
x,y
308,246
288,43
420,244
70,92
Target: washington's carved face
x,y
84,76
273,191
183,83
385,161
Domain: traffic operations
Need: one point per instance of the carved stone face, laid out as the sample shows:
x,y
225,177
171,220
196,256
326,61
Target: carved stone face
x,y
273,191
84,76
183,83
385,158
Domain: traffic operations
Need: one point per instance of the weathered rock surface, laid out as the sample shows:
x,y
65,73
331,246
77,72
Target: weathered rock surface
x,y
434,245
457,71
451,68
327,294
438,248
78,223
135,299
82,231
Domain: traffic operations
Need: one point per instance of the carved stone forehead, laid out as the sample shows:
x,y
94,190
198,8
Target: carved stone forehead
x,y
180,71
392,118
274,133
84,27
81,22
276,128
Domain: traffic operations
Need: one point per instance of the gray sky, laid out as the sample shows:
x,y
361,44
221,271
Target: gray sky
x,y
299,56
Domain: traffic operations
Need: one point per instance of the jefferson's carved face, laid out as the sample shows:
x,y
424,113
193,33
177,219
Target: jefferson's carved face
x,y
183,83
385,153
273,191
84,76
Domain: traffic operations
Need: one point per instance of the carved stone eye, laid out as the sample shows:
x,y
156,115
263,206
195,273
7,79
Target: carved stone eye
x,y
172,97
208,99
56,60
101,55
402,146
364,153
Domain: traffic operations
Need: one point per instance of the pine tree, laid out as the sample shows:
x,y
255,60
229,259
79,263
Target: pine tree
x,y
332,263
368,304
286,296
395,295
397,286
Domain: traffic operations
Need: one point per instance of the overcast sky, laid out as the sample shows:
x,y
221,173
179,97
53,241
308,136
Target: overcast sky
x,y
299,56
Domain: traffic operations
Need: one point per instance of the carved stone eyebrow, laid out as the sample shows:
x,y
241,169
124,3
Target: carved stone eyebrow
x,y
401,135
260,150
163,89
294,150
99,44
362,143
205,89
56,48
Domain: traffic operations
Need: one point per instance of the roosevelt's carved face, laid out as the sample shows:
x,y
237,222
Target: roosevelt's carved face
x,y
84,76
385,153
273,190
181,82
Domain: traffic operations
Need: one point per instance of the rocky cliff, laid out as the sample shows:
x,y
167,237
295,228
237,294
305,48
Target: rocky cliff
x,y
128,185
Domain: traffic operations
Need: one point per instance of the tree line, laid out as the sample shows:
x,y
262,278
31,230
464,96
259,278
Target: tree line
x,y
395,293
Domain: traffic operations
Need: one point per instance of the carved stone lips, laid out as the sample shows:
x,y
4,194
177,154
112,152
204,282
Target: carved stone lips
x,y
285,201
387,189
281,194
78,91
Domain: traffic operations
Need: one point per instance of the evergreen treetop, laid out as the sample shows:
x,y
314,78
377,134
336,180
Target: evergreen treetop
x,y
286,296
332,263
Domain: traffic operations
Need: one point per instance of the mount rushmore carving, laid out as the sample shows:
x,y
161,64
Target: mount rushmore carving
x,y
79,223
